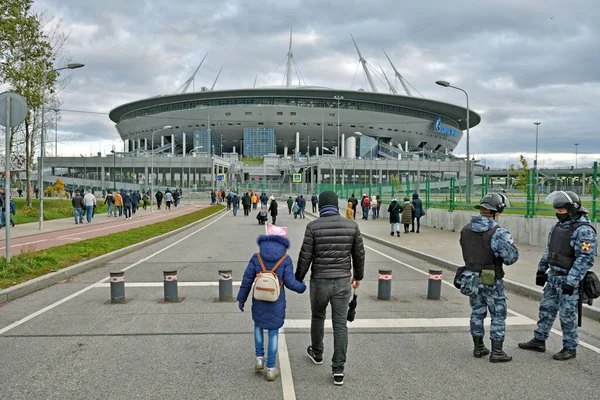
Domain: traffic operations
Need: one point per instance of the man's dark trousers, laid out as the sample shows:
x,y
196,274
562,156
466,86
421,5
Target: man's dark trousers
x,y
337,292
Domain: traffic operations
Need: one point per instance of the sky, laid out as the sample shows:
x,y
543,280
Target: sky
x,y
520,61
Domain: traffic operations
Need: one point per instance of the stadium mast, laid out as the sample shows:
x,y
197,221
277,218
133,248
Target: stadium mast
x,y
364,64
216,79
398,75
183,88
290,64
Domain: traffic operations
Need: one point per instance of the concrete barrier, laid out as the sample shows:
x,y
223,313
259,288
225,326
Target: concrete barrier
x,y
44,281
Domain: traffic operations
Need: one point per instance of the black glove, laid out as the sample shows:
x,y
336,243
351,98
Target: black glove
x,y
567,289
541,278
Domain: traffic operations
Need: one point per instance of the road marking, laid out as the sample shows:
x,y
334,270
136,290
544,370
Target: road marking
x,y
584,344
25,244
160,284
407,323
72,296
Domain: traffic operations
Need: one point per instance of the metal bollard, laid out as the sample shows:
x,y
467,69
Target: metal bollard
x,y
384,286
434,287
117,288
170,287
225,285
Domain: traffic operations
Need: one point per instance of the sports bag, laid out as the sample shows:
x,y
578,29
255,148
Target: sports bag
x,y
266,285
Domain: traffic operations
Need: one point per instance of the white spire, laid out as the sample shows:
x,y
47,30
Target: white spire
x,y
399,76
216,79
364,64
183,88
290,64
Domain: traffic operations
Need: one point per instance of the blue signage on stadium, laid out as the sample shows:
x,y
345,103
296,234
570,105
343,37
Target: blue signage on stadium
x,y
442,129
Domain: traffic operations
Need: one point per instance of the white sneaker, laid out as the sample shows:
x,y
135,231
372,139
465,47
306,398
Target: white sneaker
x,y
259,364
272,374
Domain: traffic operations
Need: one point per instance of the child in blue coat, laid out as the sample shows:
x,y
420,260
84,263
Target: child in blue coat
x,y
269,315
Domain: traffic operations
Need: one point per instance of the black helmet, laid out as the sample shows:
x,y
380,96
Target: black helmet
x,y
493,202
566,199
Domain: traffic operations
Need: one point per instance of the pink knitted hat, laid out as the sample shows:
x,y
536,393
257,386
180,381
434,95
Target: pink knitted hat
x,y
276,230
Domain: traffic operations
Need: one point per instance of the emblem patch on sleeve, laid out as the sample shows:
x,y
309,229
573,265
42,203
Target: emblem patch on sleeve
x,y
585,247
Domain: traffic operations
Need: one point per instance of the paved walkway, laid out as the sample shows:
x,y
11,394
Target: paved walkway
x,y
444,244
28,237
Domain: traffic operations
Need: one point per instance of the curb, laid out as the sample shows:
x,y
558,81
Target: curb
x,y
513,286
52,278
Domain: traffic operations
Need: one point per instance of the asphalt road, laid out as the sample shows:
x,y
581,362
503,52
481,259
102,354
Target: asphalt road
x,y
65,342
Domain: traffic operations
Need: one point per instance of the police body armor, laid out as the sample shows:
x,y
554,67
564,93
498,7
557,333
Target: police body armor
x,y
560,252
477,251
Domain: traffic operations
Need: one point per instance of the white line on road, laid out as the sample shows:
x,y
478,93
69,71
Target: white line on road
x,y
25,244
59,302
584,344
287,382
406,323
160,284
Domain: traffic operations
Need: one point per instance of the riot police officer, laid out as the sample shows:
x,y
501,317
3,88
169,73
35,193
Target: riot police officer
x,y
572,244
486,247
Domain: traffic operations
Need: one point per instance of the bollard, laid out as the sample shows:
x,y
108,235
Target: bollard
x,y
384,287
170,286
225,285
434,287
117,288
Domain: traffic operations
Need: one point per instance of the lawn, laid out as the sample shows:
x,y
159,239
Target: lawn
x,y
53,209
27,266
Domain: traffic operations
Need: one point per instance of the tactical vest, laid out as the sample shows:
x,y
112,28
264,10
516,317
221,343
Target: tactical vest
x,y
560,252
477,251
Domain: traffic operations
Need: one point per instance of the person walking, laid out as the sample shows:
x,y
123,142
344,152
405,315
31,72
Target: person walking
x,y
168,199
229,197
302,205
247,203
235,202
118,204
418,212
366,206
135,196
110,199
354,202
145,199
485,248
407,213
374,207
572,245
89,202
334,252
314,201
269,316
378,206
254,199
159,199
273,209
290,203
394,210
77,203
127,203
349,211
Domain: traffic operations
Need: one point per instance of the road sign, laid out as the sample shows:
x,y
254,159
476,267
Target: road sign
x,y
297,178
18,108
222,178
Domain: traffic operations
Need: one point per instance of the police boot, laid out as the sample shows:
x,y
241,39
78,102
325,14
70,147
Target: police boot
x,y
565,354
497,354
479,350
534,344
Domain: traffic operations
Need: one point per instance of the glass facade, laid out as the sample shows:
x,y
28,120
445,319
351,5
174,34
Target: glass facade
x,y
205,141
367,147
258,142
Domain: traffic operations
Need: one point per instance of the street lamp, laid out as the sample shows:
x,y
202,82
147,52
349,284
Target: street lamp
x,y
576,144
535,162
152,165
468,194
338,98
114,171
190,172
42,144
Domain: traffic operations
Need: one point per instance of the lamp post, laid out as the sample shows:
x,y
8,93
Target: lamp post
x,y
338,98
152,166
468,186
535,162
42,144
190,172
114,171
576,144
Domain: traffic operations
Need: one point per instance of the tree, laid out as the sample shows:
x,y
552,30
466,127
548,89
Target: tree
x,y
26,58
520,174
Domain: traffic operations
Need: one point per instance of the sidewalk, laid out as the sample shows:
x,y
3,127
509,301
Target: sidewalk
x,y
28,237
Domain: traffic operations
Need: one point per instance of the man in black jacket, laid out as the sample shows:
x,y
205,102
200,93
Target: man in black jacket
x,y
333,250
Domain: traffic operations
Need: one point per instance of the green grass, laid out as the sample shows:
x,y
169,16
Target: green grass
x,y
27,266
53,209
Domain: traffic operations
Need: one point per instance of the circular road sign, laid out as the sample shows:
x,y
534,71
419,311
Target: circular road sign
x,y
18,109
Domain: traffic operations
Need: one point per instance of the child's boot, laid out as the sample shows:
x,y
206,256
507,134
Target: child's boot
x,y
272,374
260,364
